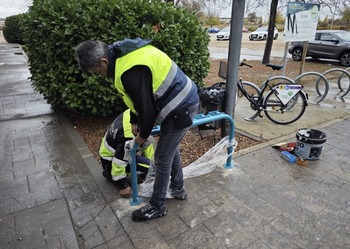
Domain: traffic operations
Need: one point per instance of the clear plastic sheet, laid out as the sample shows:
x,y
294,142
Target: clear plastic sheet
x,y
216,156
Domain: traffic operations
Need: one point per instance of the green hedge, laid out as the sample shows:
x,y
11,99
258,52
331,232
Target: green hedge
x,y
55,27
13,29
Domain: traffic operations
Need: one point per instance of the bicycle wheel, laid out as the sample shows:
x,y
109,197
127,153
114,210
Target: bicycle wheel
x,y
279,113
244,108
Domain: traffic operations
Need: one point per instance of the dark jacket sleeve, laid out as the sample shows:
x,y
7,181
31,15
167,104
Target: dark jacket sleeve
x,y
137,83
133,118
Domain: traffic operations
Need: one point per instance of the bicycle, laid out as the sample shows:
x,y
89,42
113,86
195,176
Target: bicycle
x,y
285,103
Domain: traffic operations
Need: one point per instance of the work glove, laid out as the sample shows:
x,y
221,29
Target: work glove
x,y
127,148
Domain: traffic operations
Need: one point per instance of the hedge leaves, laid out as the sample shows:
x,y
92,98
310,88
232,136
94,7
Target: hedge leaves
x,y
55,27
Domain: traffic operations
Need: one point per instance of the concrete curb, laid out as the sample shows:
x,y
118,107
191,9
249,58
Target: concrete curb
x,y
283,138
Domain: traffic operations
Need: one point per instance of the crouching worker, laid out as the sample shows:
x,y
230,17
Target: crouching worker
x,y
114,156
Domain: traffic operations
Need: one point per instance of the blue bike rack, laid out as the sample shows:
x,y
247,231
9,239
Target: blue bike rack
x,y
136,200
199,119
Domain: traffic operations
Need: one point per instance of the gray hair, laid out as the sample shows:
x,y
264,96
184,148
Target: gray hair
x,y
89,54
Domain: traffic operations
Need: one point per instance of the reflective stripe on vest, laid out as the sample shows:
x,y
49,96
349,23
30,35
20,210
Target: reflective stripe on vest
x,y
118,177
165,111
106,152
108,147
119,162
157,61
165,75
107,158
167,82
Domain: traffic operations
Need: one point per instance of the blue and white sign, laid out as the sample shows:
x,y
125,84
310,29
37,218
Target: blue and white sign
x,y
301,21
286,92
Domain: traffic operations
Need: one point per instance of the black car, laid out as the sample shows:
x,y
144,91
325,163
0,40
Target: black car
x,y
328,44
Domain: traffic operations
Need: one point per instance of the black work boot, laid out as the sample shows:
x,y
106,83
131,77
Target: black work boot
x,y
148,212
178,194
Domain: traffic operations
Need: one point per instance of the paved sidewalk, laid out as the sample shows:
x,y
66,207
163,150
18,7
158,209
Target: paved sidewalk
x,y
52,194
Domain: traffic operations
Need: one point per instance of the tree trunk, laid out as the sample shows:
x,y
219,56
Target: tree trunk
x,y
269,41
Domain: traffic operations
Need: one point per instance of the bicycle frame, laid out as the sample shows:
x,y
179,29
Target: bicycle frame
x,y
279,100
284,103
256,101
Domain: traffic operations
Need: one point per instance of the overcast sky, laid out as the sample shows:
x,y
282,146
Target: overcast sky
x,y
264,13
13,7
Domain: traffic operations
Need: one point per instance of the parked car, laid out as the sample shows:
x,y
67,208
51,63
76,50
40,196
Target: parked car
x,y
261,34
224,34
328,44
213,30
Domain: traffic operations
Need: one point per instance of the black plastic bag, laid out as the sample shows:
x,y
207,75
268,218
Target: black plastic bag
x,y
214,94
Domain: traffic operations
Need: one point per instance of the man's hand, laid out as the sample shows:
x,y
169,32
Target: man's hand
x,y
134,129
139,140
125,193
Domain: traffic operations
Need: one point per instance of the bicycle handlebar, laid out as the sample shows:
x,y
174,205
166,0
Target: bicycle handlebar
x,y
244,64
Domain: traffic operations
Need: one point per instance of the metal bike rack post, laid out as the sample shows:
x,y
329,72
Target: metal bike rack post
x,y
214,116
136,200
211,117
198,120
281,77
339,78
321,76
